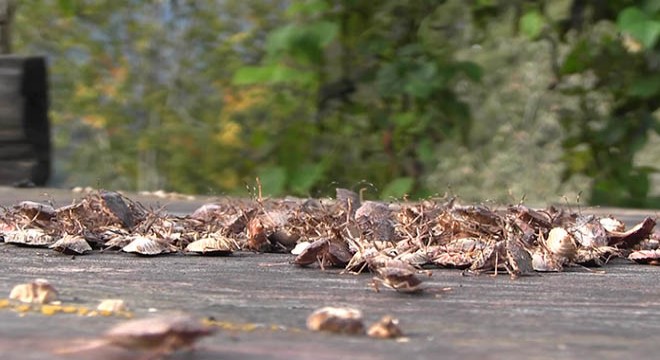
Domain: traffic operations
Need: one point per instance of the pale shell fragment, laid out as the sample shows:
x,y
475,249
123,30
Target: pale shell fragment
x,y
589,232
112,305
300,247
218,245
651,257
39,291
28,237
612,224
72,245
143,245
342,320
561,243
386,328
165,333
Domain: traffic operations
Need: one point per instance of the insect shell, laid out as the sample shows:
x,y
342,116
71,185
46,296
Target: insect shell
x,y
545,261
611,224
35,210
143,245
164,334
399,278
651,257
342,320
561,243
28,237
39,291
315,252
71,245
386,328
212,246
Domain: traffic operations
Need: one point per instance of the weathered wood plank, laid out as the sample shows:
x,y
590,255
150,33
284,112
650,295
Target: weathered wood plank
x,y
11,136
24,126
16,151
14,171
11,112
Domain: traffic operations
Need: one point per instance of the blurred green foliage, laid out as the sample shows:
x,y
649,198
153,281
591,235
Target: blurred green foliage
x,y
490,99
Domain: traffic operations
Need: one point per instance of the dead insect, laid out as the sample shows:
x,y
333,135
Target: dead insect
x,y
374,221
561,243
39,291
461,253
161,335
28,237
386,328
341,320
518,260
117,242
612,225
589,232
398,276
213,245
315,252
597,256
545,261
651,257
35,211
257,238
71,245
632,237
143,245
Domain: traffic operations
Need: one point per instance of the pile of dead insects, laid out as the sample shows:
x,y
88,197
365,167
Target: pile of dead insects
x,y
393,240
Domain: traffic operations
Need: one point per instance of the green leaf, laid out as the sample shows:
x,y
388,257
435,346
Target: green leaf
x,y
639,25
272,74
303,42
67,7
323,31
531,24
421,81
273,179
305,176
279,40
307,8
473,71
388,80
578,60
645,87
426,151
398,188
249,75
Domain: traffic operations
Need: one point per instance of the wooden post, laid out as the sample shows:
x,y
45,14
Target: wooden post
x,y
7,8
24,129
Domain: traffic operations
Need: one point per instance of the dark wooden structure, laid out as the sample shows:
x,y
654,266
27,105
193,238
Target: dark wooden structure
x,y
24,128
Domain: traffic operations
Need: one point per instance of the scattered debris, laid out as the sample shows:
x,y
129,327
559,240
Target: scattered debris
x,y
148,246
28,237
162,334
112,306
71,245
347,233
399,276
342,320
158,335
212,245
38,291
386,328
651,257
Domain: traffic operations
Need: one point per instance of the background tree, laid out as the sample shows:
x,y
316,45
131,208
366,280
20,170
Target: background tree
x,y
491,100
